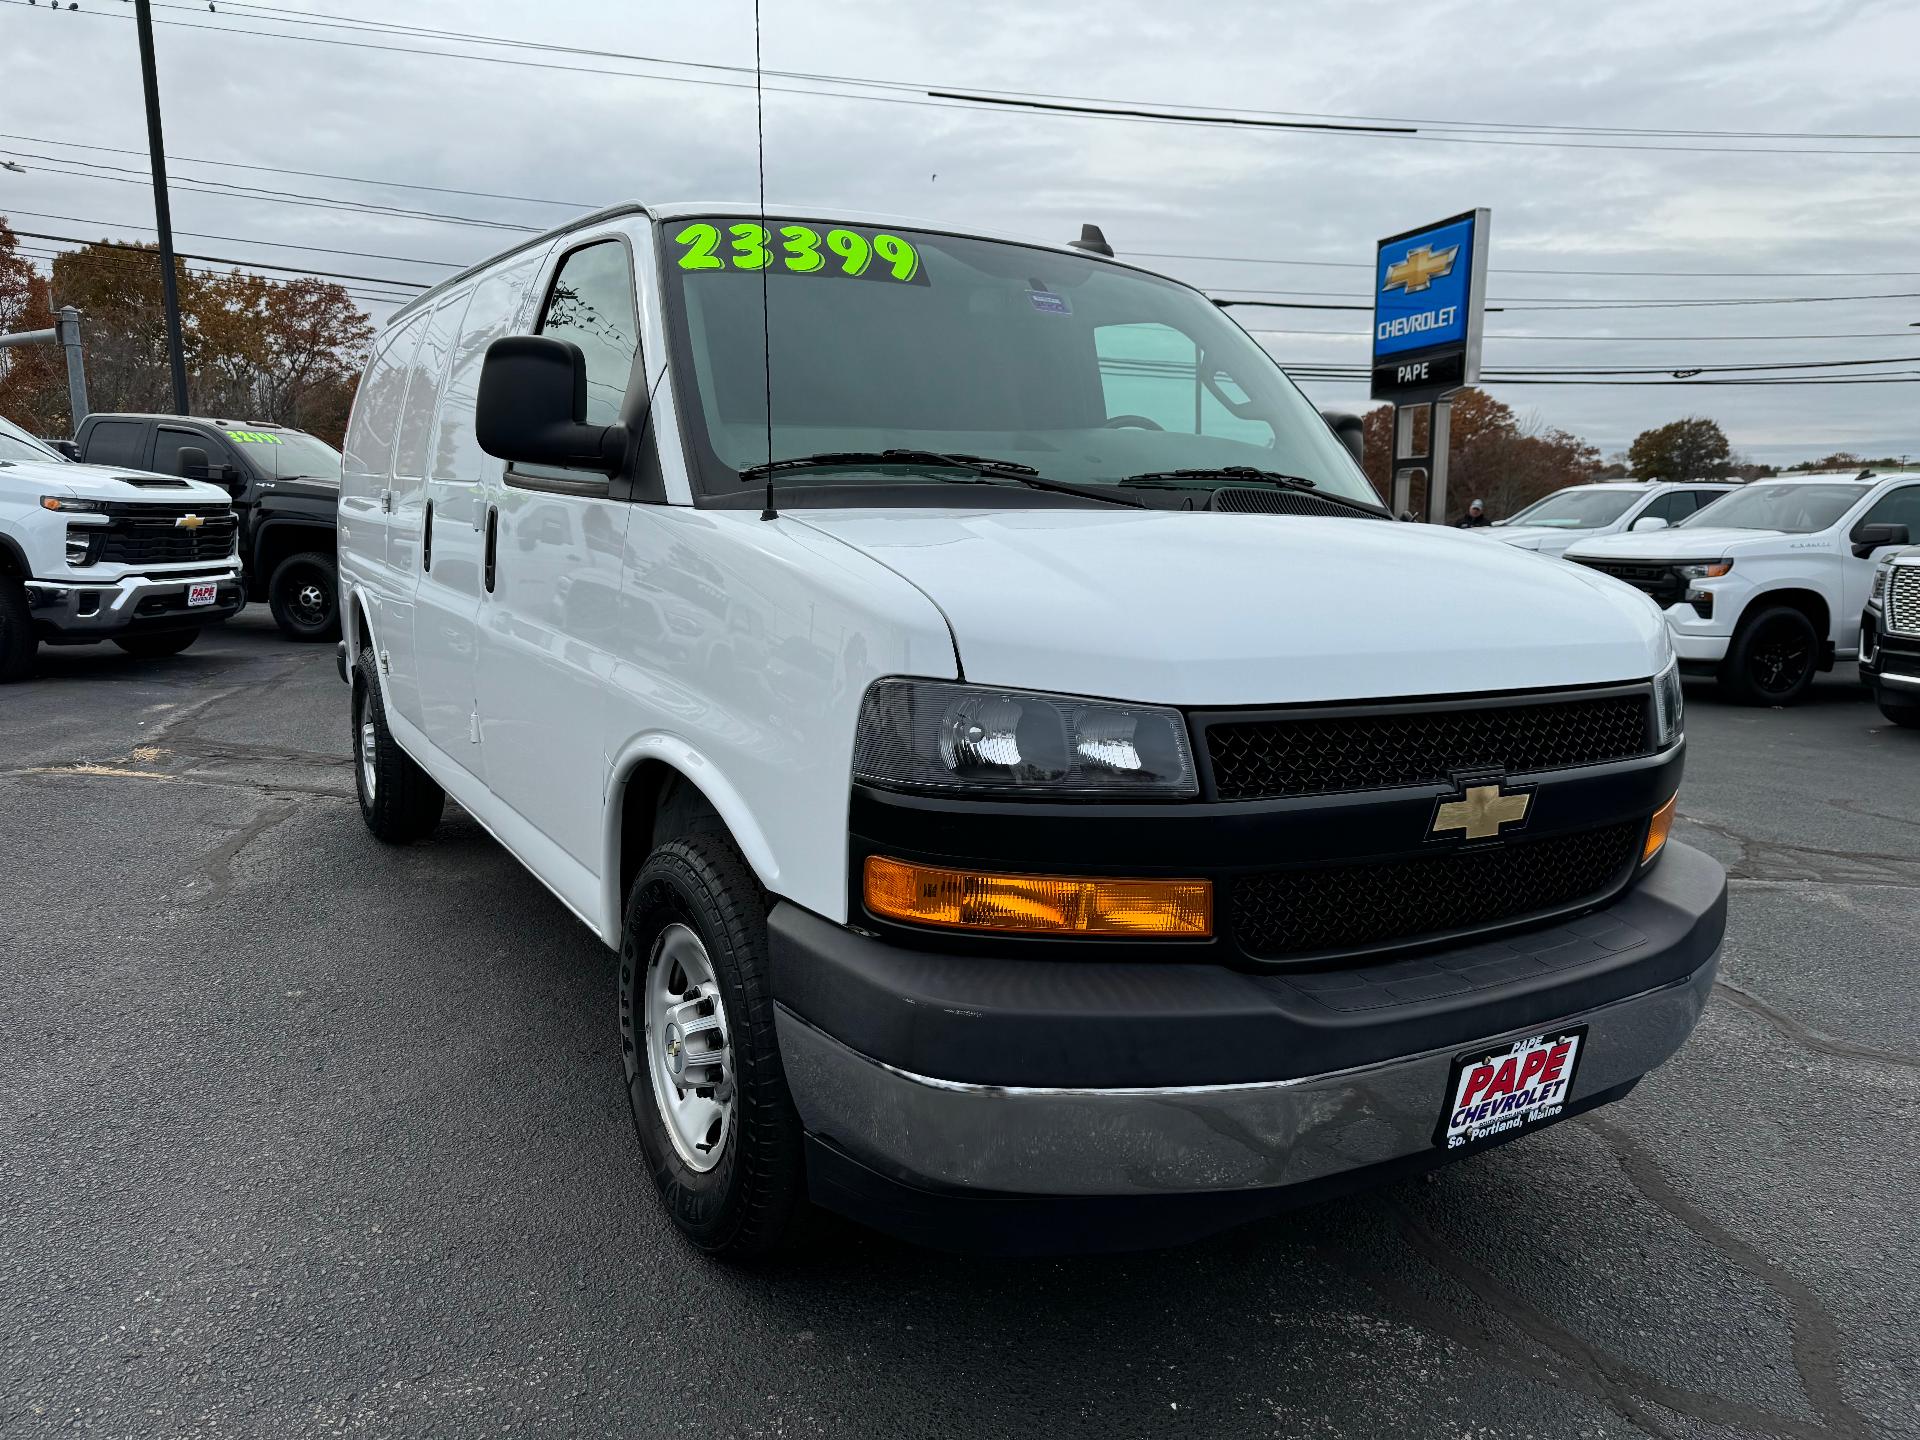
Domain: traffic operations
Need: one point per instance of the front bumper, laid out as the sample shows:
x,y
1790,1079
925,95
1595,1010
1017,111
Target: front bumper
x,y
966,1075
97,609
1889,662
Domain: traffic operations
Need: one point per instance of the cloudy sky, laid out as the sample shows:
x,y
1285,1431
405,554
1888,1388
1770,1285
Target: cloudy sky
x,y
616,106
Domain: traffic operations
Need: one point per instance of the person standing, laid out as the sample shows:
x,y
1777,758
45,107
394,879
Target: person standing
x,y
1475,517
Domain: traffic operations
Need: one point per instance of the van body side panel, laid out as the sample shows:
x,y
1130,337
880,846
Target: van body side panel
x,y
406,523
366,475
751,643
446,612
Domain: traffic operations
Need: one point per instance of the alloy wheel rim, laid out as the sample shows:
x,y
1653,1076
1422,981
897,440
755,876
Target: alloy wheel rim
x,y
369,738
310,604
689,1057
1778,663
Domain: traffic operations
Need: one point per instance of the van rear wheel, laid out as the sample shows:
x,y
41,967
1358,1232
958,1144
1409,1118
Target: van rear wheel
x,y
1772,658
400,802
704,1079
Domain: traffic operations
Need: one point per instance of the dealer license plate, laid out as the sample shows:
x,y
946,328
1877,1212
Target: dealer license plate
x,y
1510,1087
202,594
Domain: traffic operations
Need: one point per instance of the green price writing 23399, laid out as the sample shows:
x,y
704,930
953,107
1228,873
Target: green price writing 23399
x,y
797,249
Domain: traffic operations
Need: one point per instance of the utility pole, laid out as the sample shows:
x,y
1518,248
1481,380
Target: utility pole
x,y
162,213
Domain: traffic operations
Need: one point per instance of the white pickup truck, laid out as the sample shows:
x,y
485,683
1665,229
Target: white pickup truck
x,y
1586,512
91,553
1766,588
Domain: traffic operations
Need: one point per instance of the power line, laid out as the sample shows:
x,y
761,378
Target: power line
x,y
1617,339
234,190
939,99
47,253
229,260
575,205
275,14
244,240
1527,270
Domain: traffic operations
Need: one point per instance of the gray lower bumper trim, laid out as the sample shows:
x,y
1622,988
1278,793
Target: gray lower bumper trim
x,y
1178,1141
82,607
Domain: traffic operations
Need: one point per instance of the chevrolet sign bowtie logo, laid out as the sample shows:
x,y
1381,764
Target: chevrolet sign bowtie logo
x,y
1420,269
1481,812
188,522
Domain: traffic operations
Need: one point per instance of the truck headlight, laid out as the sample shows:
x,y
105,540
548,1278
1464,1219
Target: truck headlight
x,y
937,735
1880,574
1704,569
1669,705
66,505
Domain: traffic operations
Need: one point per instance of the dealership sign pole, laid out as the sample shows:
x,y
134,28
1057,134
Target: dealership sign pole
x,y
1428,290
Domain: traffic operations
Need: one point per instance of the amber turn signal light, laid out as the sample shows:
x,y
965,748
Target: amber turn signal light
x,y
1657,831
1038,904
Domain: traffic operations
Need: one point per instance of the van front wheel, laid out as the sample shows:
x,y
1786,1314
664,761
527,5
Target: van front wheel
x,y
704,1080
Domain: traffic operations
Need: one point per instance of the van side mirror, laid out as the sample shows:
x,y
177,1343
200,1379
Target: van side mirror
x,y
1352,431
190,463
532,407
1869,538
1649,522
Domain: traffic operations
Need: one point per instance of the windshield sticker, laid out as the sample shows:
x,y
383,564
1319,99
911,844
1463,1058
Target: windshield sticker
x,y
1051,304
796,249
253,437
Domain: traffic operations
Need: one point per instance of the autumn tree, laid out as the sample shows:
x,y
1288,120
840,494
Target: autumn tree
x,y
1690,449
33,384
1493,455
284,352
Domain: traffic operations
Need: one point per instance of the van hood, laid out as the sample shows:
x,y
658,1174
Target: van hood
x,y
1198,608
1686,542
107,482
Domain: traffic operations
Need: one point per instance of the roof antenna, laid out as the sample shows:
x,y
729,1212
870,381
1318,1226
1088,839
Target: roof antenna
x,y
1092,239
766,324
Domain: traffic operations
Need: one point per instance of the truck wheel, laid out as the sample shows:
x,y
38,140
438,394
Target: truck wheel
x,y
153,647
704,1079
1772,658
1900,713
17,640
400,802
304,595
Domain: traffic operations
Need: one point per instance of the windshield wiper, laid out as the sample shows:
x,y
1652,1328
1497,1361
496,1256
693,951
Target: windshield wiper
x,y
1240,473
985,467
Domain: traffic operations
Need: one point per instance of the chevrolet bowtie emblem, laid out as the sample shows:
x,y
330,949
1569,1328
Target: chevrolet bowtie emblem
x,y
1421,267
1481,812
188,522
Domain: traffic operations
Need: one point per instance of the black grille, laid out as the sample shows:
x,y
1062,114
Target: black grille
x,y
1246,500
1662,582
1350,907
148,535
1256,759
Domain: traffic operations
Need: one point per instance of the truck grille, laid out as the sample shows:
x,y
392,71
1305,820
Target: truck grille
x,y
1271,758
1663,582
1903,600
1294,913
148,535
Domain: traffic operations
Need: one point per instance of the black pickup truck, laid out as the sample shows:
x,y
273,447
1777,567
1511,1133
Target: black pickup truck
x,y
286,490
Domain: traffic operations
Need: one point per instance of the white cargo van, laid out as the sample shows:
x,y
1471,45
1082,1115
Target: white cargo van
x,y
1051,803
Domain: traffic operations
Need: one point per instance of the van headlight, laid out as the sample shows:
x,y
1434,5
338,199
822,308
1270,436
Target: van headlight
x,y
1669,705
936,735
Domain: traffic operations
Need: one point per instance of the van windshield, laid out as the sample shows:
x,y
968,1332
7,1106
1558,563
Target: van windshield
x,y
1576,509
1090,373
1795,509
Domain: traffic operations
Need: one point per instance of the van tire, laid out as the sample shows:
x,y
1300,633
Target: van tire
x,y
18,643
304,596
1772,659
400,802
740,1207
155,647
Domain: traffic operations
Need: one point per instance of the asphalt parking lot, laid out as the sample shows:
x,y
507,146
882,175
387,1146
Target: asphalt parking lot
x,y
302,1136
